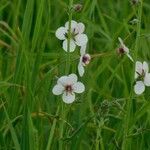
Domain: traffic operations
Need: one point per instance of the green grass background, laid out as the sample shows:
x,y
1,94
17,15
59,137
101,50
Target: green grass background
x,y
108,115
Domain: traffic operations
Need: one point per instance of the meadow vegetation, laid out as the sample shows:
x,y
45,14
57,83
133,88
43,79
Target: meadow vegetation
x,y
106,114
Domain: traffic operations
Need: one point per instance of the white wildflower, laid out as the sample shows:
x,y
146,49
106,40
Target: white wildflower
x,y
142,77
84,60
77,36
124,50
68,86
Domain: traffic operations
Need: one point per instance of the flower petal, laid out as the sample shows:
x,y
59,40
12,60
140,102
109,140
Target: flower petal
x,y
60,33
138,67
80,28
78,87
72,78
81,39
73,24
58,89
83,49
147,79
68,97
129,56
136,75
145,67
139,87
80,69
120,40
72,45
126,49
62,80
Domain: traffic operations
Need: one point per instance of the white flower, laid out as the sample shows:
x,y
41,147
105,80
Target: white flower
x,y
142,77
77,36
123,49
84,60
68,86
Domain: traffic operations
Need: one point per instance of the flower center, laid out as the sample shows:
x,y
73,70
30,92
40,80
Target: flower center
x,y
121,50
68,88
85,59
141,76
72,34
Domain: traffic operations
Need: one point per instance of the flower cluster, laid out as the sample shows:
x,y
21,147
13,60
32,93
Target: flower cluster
x,y
142,76
72,36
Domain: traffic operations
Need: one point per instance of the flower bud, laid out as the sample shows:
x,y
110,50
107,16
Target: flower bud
x,y
77,7
134,2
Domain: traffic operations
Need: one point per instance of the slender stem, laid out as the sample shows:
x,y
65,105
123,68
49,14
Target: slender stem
x,y
102,54
61,127
67,69
109,129
69,38
99,140
129,102
52,132
138,28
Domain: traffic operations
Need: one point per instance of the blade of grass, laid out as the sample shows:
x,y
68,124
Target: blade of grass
x,y
12,130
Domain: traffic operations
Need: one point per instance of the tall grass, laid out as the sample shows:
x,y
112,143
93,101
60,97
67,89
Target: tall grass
x,y
108,115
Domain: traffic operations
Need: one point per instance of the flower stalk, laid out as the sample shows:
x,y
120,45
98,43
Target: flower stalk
x,y
69,37
63,113
129,102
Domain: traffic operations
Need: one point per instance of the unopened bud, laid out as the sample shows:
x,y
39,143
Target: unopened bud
x,y
77,7
134,2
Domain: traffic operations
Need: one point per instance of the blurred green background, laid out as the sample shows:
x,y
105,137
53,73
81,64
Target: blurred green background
x,y
108,115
